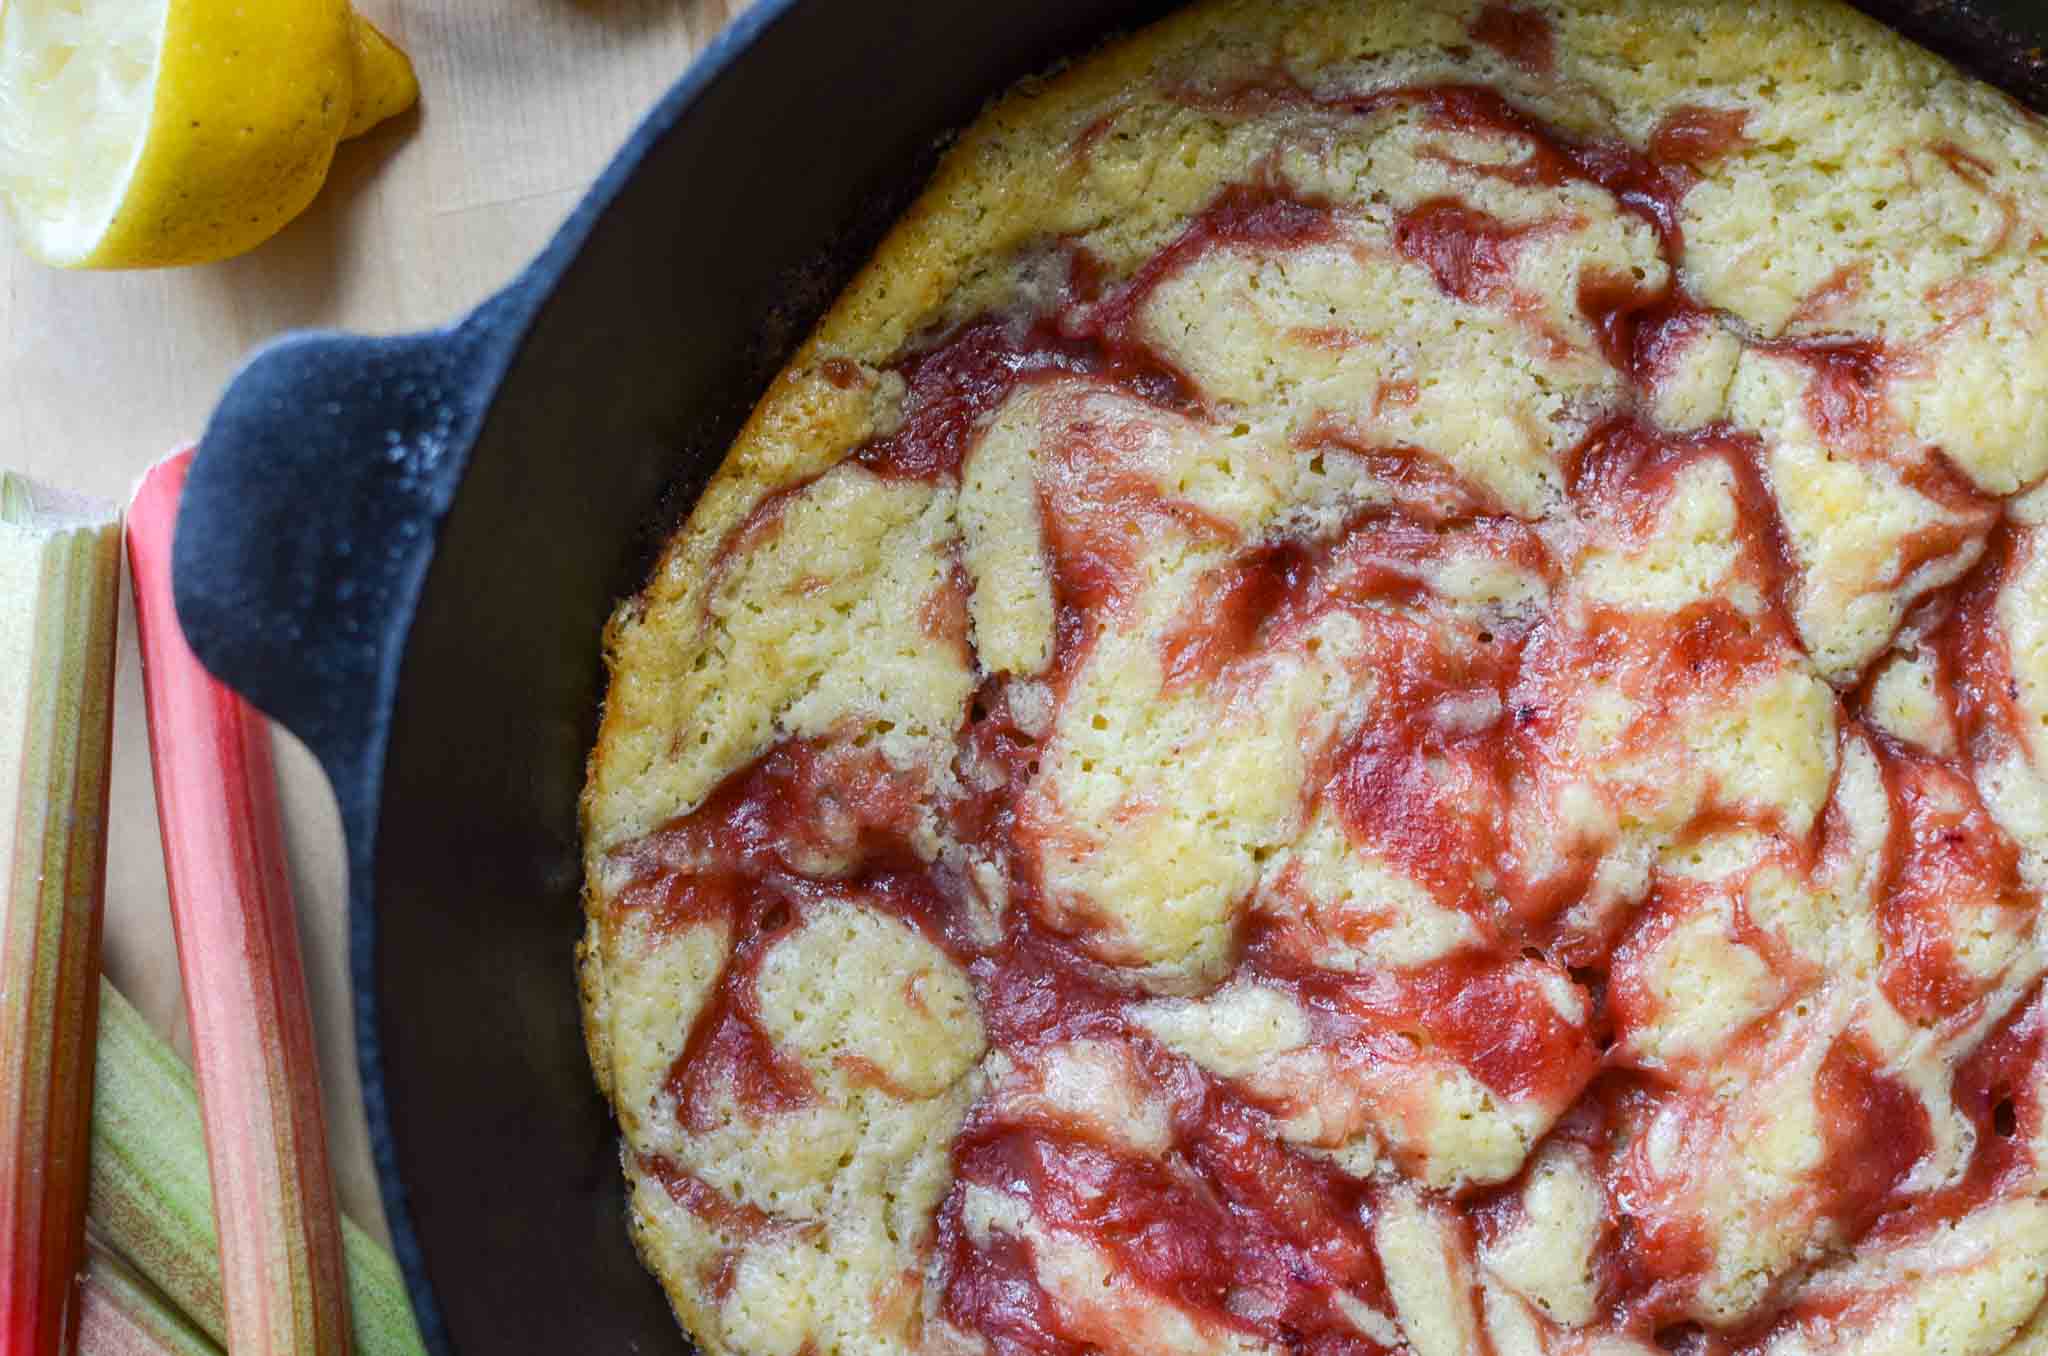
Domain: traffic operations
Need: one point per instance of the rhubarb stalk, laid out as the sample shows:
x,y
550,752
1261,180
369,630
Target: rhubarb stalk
x,y
150,1198
245,985
122,1315
59,589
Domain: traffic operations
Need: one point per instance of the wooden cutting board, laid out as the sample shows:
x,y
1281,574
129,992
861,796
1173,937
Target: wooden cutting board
x,y
522,102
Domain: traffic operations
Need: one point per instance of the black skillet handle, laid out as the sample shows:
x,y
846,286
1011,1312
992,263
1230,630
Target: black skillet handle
x,y
308,522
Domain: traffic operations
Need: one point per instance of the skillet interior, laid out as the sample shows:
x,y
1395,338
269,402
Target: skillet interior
x,y
723,246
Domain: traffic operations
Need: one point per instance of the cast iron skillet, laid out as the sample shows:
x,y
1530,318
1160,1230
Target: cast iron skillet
x,y
438,650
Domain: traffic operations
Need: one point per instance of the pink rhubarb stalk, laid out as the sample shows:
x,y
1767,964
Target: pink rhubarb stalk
x,y
245,985
60,575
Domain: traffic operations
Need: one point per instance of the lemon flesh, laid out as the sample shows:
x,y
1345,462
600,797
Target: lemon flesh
x,y
75,84
146,133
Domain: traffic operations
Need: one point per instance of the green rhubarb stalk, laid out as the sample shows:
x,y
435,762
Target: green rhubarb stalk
x,y
59,589
151,1197
121,1314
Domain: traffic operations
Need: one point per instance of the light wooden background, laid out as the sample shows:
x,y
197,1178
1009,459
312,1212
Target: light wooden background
x,y
522,102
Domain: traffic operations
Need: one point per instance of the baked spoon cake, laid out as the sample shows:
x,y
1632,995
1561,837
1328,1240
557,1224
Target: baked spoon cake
x,y
1381,687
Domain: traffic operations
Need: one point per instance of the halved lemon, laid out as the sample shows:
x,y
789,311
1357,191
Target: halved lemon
x,y
144,133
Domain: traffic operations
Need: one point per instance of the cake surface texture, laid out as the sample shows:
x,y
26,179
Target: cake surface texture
x,y
1381,687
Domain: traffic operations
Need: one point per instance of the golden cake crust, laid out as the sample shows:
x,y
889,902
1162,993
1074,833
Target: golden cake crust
x,y
1377,335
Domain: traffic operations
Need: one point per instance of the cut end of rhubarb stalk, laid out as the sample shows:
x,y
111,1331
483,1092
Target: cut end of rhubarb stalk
x,y
282,1272
59,594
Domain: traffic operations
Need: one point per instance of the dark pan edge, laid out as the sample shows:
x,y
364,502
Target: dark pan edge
x,y
1989,39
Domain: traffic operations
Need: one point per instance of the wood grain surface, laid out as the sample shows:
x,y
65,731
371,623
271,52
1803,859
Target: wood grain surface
x,y
522,102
